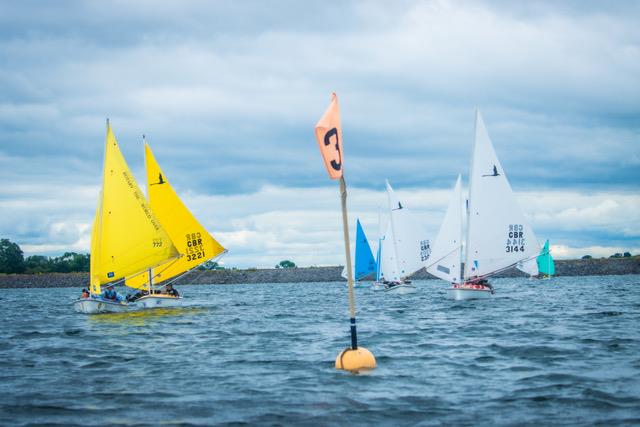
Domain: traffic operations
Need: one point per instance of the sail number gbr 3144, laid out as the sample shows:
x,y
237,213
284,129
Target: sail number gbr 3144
x,y
515,238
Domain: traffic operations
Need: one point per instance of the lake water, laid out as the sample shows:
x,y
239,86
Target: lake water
x,y
564,351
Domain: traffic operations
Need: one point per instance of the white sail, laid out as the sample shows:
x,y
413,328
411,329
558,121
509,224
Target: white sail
x,y
388,264
410,243
445,258
498,234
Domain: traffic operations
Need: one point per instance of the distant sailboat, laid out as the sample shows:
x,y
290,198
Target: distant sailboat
x,y
365,264
405,248
141,242
377,285
498,235
445,260
546,266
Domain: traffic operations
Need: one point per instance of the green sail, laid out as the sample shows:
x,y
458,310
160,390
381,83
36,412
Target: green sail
x,y
545,261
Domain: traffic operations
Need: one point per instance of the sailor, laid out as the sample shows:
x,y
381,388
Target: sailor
x,y
85,294
137,295
110,294
171,291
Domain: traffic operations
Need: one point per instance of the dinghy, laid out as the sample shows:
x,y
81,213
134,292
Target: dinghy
x,y
405,248
139,242
546,266
498,235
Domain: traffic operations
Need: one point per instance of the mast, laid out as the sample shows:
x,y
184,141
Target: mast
x,y
469,204
393,231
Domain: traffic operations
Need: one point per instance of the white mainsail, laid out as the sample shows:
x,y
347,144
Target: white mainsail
x,y
446,256
405,247
498,234
388,265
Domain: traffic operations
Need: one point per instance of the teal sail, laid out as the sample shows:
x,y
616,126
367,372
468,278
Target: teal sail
x,y
365,263
545,261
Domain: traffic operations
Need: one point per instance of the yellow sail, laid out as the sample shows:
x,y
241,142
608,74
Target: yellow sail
x,y
192,240
130,237
94,281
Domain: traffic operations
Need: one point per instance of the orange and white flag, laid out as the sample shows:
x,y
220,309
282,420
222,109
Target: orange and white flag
x,y
329,136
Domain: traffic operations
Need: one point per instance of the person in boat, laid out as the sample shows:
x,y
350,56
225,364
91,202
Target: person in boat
x,y
85,294
137,295
485,283
171,291
110,294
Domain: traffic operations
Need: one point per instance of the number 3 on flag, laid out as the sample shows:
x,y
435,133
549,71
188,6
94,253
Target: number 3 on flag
x,y
329,136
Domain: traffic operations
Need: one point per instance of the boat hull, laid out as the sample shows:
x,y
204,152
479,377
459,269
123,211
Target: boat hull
x,y
377,286
156,301
97,306
465,293
402,289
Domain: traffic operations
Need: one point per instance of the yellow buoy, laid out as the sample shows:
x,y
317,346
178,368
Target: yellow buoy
x,y
355,360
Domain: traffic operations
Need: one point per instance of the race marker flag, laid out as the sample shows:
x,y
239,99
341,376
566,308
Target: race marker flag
x,y
329,136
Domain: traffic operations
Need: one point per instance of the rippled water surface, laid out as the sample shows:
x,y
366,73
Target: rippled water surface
x,y
564,351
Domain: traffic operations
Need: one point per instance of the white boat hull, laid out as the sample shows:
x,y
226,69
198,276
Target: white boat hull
x,y
377,286
402,289
461,294
97,305
156,301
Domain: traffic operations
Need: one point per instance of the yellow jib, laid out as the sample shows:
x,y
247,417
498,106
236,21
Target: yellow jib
x,y
192,240
130,237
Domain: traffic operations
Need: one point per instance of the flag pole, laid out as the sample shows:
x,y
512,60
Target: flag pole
x,y
347,250
328,132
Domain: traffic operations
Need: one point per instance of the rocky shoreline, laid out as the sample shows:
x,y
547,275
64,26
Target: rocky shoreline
x,y
582,267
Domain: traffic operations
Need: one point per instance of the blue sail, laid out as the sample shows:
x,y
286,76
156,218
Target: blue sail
x,y
365,263
545,261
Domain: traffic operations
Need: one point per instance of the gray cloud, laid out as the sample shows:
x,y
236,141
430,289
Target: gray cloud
x,y
228,94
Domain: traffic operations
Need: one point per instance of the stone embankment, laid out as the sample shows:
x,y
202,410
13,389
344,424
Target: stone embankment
x,y
582,267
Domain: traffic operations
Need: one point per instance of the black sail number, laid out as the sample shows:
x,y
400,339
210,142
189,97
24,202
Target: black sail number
x,y
327,141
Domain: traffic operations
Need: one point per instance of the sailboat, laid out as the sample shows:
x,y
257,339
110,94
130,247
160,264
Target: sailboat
x,y
377,285
365,264
546,266
405,248
445,260
498,235
141,242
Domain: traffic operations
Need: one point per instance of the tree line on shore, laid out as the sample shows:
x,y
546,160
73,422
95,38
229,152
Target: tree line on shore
x,y
12,260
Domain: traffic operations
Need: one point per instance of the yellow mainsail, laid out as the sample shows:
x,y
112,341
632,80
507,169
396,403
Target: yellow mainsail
x,y
127,236
192,240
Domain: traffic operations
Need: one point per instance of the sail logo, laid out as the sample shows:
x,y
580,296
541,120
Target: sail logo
x,y
495,172
515,238
425,250
160,180
443,269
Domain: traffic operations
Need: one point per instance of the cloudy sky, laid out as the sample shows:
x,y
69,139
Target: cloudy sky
x,y
228,93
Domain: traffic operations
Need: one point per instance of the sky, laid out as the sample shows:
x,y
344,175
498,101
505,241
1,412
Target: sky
x,y
228,94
